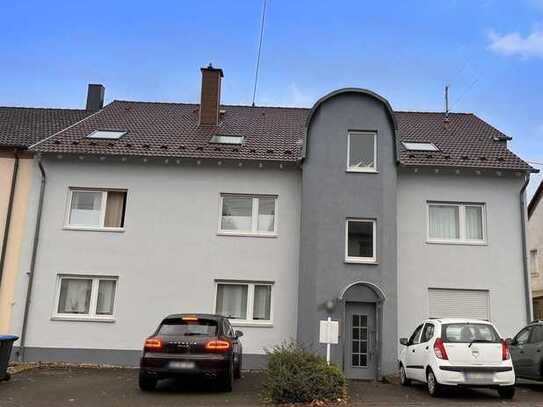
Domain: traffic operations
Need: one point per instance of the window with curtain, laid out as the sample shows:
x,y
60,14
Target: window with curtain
x,y
244,301
248,214
456,222
97,209
362,151
86,297
360,241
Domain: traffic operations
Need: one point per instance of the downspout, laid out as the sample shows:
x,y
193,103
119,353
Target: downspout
x,y
527,288
5,237
35,243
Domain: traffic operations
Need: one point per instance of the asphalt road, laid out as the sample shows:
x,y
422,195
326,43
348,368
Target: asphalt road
x,y
61,387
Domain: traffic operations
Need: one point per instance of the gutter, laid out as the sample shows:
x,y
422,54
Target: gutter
x,y
32,262
528,292
5,237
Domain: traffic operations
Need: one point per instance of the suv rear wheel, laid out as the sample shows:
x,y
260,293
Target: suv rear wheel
x,y
146,382
434,388
507,392
237,369
228,378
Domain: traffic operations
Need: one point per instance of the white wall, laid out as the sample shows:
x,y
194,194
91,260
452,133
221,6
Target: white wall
x,y
496,266
169,254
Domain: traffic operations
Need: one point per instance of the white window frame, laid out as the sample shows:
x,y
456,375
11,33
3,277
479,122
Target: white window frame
x,y
249,321
92,315
353,259
462,240
356,169
254,232
104,192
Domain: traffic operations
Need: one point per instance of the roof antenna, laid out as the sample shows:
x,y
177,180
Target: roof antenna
x,y
446,103
264,2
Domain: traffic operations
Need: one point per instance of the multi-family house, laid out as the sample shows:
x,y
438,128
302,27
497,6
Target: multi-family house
x,y
278,218
20,127
535,250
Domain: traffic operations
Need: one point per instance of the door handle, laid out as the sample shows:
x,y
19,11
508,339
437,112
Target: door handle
x,y
413,351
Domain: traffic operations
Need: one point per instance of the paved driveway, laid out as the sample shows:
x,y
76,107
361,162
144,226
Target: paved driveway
x,y
118,387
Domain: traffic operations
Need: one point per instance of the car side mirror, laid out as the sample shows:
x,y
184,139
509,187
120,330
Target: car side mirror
x,y
510,341
404,341
238,334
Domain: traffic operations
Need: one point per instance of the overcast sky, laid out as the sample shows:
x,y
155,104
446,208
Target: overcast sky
x,y
490,52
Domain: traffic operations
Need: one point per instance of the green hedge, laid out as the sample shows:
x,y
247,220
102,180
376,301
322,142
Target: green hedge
x,y
295,375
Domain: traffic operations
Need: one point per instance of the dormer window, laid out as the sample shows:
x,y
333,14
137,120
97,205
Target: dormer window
x,y
107,134
415,146
224,139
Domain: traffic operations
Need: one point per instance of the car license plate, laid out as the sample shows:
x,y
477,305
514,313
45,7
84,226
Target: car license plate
x,y
182,365
478,376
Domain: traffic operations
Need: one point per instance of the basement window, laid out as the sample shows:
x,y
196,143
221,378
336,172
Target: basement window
x,y
96,209
223,139
107,134
414,146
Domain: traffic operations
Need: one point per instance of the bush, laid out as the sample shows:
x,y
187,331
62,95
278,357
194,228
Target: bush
x,y
295,375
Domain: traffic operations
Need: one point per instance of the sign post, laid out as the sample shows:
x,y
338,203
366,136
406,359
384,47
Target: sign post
x,y
329,334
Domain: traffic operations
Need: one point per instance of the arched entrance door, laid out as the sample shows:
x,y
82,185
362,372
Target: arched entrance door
x,y
362,330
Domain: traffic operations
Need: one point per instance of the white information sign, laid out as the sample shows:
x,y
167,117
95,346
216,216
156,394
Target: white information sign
x,y
329,332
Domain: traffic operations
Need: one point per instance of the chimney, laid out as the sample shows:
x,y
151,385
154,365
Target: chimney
x,y
210,98
95,97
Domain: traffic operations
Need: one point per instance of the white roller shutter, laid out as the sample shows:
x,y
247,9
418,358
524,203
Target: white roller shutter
x,y
447,303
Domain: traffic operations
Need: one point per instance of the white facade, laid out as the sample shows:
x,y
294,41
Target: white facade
x,y
169,254
493,267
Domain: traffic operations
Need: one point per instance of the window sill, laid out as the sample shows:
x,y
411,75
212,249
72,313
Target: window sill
x,y
81,318
457,242
361,261
245,234
93,229
362,171
251,324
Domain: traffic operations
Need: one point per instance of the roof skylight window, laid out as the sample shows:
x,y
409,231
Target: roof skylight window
x,y
107,134
415,146
222,139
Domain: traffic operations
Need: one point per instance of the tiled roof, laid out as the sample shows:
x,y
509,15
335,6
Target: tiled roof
x,y
24,126
171,130
464,141
272,133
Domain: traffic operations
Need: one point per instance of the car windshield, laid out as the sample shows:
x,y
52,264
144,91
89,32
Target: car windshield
x,y
180,327
469,332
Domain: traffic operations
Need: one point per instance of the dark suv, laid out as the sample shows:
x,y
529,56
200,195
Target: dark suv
x,y
192,344
527,351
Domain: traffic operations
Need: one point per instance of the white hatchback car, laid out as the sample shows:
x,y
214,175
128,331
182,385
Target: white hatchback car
x,y
457,352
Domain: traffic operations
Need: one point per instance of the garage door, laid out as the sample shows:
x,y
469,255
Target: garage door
x,y
446,303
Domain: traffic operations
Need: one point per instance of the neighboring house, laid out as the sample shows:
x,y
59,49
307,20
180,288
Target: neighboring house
x,y
278,218
21,127
535,250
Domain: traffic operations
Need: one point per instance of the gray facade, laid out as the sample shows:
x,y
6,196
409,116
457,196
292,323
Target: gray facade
x,y
330,195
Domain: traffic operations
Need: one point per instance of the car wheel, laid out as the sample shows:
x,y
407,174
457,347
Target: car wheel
x,y
228,378
237,370
404,381
507,392
146,382
434,388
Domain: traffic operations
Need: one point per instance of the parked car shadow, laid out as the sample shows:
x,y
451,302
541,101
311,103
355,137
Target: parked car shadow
x,y
461,393
249,383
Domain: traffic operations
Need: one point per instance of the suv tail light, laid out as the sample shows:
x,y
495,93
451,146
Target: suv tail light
x,y
218,345
153,344
505,351
439,349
